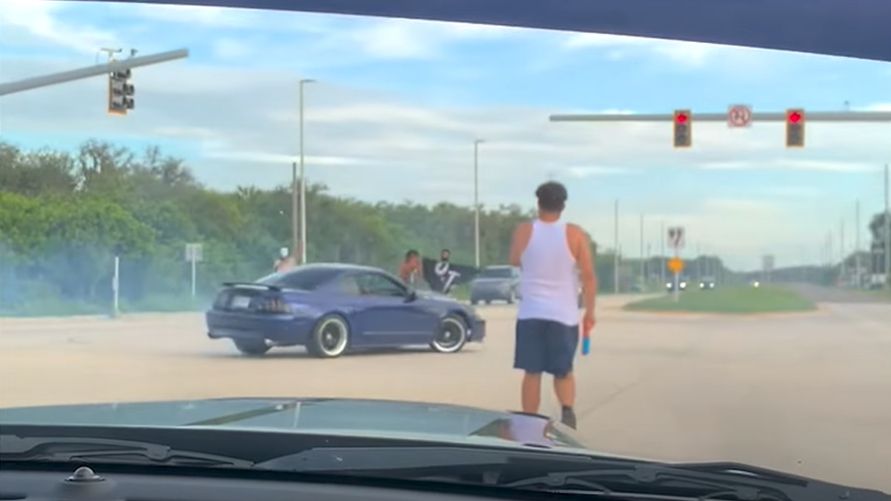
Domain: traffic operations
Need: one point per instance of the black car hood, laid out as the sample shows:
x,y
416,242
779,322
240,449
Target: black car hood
x,y
369,418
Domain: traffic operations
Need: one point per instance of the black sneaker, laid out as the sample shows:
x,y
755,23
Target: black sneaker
x,y
568,417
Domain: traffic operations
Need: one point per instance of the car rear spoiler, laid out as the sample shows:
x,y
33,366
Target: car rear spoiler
x,y
253,285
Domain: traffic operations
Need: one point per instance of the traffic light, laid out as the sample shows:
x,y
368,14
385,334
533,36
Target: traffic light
x,y
795,128
120,92
683,129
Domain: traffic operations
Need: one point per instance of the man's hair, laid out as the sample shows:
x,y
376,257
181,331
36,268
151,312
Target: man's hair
x,y
551,196
445,251
411,253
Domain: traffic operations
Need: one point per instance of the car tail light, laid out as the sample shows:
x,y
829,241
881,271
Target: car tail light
x,y
221,301
272,305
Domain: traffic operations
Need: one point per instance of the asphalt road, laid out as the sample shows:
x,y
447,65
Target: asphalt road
x,y
807,393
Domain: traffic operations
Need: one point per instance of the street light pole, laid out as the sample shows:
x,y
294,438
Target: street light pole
x,y
476,200
303,82
643,277
662,251
295,227
616,253
841,248
887,233
857,245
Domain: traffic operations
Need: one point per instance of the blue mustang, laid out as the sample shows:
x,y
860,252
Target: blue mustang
x,y
330,308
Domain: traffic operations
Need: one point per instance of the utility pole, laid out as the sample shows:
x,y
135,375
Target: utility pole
x,y
303,245
698,261
643,277
647,269
476,200
662,252
857,245
295,230
887,232
841,247
616,253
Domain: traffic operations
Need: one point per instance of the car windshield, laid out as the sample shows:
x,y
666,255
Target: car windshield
x,y
496,272
696,234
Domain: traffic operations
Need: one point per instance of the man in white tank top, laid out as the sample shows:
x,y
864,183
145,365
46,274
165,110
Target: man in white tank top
x,y
553,256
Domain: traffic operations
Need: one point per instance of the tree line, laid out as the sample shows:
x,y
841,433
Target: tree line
x,y
64,216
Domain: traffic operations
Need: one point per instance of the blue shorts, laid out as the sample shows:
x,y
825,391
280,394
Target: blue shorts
x,y
545,346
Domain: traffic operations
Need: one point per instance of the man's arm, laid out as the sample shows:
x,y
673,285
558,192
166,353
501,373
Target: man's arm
x,y
519,242
581,249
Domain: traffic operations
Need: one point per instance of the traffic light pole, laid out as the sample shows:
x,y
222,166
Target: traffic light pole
x,y
90,71
780,116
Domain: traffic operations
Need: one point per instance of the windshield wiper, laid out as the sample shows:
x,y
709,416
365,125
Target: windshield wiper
x,y
14,448
712,481
561,472
653,480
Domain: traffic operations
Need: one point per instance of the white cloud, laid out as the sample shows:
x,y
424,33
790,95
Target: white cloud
x,y
404,39
229,48
791,164
615,111
618,47
393,39
38,19
182,132
261,157
877,107
581,172
749,206
213,17
785,191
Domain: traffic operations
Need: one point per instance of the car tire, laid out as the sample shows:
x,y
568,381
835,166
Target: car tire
x,y
474,301
451,335
251,348
330,338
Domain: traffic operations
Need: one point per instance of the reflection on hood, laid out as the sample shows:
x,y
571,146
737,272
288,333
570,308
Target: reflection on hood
x,y
334,416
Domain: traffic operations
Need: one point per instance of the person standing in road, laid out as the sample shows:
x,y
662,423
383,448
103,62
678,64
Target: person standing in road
x,y
410,268
285,262
444,271
552,256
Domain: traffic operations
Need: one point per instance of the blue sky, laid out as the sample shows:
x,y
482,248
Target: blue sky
x,y
398,103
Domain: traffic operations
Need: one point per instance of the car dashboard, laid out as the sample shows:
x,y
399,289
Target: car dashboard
x,y
52,481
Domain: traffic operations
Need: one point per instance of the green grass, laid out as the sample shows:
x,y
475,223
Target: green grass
x,y
882,294
728,300
52,306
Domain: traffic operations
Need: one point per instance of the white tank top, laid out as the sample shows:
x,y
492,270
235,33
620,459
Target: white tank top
x,y
549,279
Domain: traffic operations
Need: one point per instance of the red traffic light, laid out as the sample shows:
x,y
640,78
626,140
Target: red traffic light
x,y
795,128
683,125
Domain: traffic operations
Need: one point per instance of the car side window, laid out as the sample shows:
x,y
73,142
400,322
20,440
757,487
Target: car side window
x,y
375,284
348,285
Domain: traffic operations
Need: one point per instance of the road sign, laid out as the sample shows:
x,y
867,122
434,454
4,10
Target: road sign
x,y
739,115
675,265
676,238
194,253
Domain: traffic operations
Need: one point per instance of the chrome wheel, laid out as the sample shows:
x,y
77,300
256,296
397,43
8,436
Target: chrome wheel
x,y
451,336
330,337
